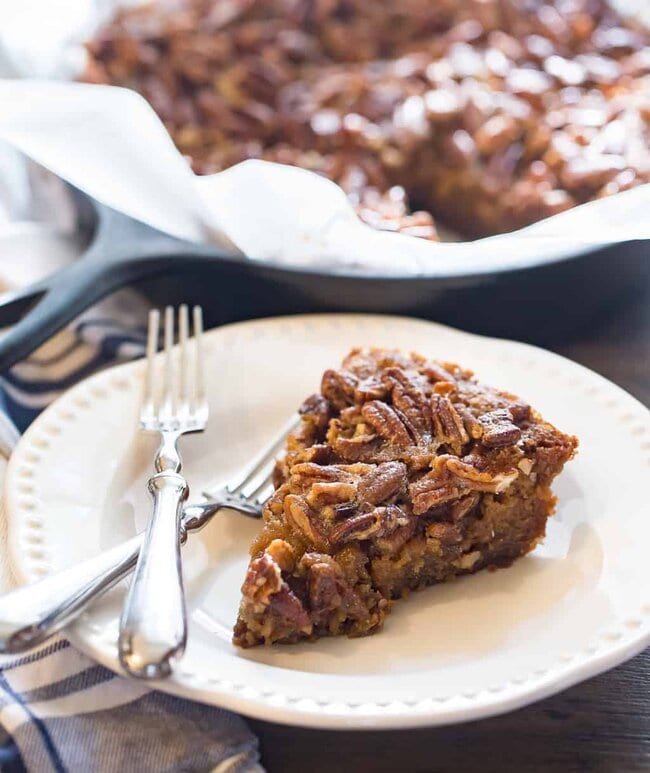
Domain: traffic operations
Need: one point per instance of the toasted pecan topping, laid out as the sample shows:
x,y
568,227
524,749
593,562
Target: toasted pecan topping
x,y
263,579
319,410
434,488
370,389
301,516
448,427
498,429
427,481
429,492
387,423
329,591
478,480
409,398
282,553
356,449
472,425
383,482
358,527
325,472
452,477
321,494
380,522
520,411
338,387
436,372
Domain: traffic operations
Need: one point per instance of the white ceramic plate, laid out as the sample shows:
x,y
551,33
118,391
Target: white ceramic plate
x,y
577,606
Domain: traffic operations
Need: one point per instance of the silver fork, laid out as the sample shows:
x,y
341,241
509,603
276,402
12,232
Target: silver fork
x,y
33,613
153,626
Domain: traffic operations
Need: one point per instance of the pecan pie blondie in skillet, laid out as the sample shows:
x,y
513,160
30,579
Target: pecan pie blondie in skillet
x,y
488,114
404,472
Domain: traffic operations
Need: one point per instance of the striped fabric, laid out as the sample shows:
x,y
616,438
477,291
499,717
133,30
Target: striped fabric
x,y
62,712
92,344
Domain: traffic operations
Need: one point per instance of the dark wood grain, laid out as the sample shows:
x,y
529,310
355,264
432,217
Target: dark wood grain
x,y
602,725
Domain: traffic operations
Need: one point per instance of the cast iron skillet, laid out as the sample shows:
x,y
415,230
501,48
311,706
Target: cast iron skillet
x,y
120,251
529,302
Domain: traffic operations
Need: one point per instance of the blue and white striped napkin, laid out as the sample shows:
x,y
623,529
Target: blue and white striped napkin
x,y
60,711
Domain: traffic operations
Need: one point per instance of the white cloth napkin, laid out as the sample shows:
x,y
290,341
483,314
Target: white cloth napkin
x,y
109,142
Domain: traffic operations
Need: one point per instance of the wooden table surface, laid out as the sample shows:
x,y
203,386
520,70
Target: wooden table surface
x,y
602,725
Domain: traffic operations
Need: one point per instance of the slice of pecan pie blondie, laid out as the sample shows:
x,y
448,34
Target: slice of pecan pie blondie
x,y
404,472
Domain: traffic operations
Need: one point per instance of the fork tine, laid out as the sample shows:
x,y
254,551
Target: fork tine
x,y
268,454
256,482
199,382
184,396
264,493
167,407
148,398
262,489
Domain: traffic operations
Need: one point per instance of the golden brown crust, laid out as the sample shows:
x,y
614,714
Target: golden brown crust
x,y
404,472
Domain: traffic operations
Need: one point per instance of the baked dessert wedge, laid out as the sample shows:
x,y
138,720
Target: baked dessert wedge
x,y
404,472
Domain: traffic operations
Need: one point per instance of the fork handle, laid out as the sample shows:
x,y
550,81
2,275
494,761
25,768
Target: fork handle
x,y
153,628
31,614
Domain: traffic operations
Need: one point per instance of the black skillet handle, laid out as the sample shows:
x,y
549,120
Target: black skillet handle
x,y
64,296
122,251
84,282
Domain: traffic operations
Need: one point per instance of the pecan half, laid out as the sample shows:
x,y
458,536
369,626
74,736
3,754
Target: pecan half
x,y
498,429
520,411
408,398
432,490
383,482
380,522
434,371
480,480
287,606
264,588
317,410
323,472
320,454
444,388
361,448
472,424
329,591
385,421
302,518
448,427
321,494
263,579
370,389
359,527
282,553
338,387
391,544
